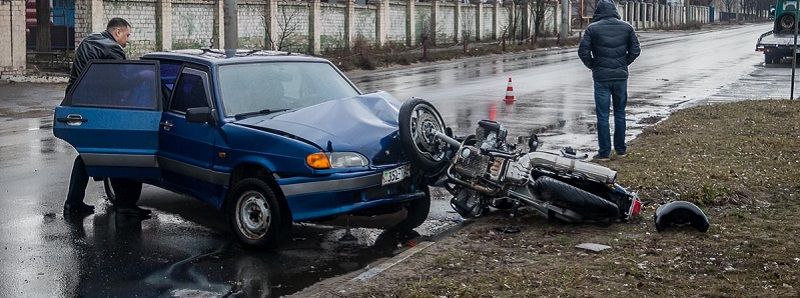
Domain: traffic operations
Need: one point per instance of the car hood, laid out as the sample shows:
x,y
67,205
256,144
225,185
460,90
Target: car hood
x,y
366,124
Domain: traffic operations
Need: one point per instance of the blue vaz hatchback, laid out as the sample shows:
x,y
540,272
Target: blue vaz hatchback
x,y
267,137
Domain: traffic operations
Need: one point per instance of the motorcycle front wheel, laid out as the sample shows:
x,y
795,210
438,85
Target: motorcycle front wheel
x,y
418,123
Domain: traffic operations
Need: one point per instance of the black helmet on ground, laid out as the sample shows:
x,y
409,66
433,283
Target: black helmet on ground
x,y
680,213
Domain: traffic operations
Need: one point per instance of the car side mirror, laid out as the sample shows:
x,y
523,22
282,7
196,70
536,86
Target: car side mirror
x,y
199,115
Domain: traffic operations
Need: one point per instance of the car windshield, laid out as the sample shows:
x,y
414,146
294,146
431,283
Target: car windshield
x,y
275,86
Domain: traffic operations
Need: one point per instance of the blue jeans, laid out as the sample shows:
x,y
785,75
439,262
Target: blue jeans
x,y
606,93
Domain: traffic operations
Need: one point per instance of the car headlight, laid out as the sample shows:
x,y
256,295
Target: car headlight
x,y
333,160
347,160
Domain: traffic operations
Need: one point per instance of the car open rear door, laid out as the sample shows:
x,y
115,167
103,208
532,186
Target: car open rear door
x,y
111,116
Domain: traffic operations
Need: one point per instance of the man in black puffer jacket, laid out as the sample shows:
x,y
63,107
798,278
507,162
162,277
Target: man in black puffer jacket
x,y
608,46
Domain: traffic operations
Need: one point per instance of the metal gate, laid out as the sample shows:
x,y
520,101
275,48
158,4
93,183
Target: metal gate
x,y
61,24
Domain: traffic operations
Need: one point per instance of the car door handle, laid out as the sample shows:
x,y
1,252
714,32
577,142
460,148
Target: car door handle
x,y
167,125
72,120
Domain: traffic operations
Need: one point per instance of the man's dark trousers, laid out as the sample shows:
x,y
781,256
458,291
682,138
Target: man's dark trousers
x,y
77,183
607,93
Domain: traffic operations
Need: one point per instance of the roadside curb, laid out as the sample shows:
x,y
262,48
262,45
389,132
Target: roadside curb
x,y
325,288
34,78
372,272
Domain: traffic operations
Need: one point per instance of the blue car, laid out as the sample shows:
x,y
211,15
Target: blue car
x,y
268,138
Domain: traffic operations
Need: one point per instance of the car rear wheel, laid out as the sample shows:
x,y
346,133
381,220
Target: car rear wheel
x,y
255,215
417,212
122,190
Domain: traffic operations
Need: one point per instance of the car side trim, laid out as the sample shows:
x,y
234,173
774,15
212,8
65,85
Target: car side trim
x,y
120,160
193,171
331,185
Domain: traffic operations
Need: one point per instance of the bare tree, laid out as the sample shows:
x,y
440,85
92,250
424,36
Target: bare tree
x,y
467,25
729,6
512,30
539,11
426,31
286,37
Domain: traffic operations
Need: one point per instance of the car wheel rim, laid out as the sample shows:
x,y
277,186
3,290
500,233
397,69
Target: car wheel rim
x,y
424,125
253,215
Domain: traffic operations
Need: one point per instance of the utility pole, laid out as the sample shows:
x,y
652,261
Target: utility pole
x,y
794,59
687,5
565,23
230,21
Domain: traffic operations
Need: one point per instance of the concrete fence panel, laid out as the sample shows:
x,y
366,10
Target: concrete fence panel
x,y
365,18
487,21
397,23
332,31
469,21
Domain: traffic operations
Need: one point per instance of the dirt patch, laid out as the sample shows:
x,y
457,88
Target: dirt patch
x,y
650,120
739,161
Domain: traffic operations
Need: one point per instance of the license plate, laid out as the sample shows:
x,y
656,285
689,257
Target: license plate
x,y
396,174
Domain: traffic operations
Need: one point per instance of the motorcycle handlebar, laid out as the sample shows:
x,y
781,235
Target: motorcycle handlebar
x,y
450,141
455,143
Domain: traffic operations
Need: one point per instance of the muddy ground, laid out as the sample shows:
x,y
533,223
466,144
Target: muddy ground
x,y
739,161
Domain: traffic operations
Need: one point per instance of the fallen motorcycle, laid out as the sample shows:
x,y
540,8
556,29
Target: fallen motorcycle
x,y
484,170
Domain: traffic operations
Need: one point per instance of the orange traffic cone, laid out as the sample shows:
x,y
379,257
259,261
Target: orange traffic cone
x,y
510,93
493,111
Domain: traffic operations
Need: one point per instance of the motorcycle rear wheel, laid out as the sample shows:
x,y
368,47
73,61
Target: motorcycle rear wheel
x,y
588,205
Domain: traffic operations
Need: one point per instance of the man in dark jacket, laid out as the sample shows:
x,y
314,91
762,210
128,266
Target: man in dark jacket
x,y
106,45
608,46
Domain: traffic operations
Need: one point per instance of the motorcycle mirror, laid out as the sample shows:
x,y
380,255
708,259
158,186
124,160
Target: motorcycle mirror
x,y
533,142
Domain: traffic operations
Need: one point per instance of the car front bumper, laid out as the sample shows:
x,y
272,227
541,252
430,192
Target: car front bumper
x,y
344,193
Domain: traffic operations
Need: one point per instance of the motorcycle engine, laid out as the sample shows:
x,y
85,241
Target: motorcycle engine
x,y
471,163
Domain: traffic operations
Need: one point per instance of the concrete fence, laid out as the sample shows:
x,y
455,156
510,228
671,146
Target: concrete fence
x,y
300,26
654,16
12,35
312,27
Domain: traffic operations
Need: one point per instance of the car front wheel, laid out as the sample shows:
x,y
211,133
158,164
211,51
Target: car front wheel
x,y
417,212
255,215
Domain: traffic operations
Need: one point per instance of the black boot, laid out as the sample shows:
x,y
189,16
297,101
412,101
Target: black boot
x,y
78,208
134,210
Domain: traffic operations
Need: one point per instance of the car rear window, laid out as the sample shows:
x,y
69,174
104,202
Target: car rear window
x,y
118,85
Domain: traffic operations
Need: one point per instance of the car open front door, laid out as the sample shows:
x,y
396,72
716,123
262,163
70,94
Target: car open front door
x,y
111,116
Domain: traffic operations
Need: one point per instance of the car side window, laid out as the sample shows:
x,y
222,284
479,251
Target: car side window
x,y
190,92
122,85
169,73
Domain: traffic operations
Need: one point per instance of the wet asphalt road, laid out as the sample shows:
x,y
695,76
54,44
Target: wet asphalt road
x,y
185,249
